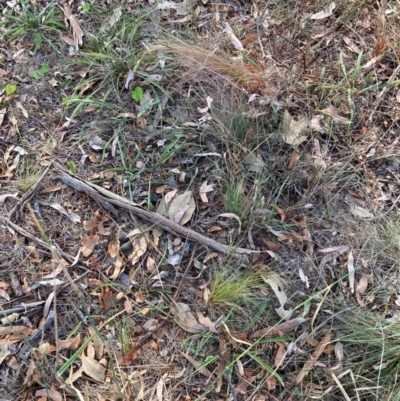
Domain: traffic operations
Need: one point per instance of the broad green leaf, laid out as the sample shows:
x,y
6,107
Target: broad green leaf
x,y
85,7
36,74
10,89
137,94
44,69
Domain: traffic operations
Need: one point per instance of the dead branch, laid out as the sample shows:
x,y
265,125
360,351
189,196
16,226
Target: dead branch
x,y
107,199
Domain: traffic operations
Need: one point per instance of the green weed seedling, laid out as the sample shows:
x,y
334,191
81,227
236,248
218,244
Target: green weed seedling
x,y
38,74
40,24
10,89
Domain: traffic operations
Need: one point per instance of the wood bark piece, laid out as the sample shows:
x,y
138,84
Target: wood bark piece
x,y
108,200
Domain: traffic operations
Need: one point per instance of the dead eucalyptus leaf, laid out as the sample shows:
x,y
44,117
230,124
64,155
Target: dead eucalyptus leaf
x,y
351,45
333,112
54,395
292,129
327,12
350,268
88,244
359,211
204,188
235,41
362,284
93,369
182,208
77,32
206,321
186,319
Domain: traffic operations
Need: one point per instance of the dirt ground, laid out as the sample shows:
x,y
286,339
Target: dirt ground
x,y
199,200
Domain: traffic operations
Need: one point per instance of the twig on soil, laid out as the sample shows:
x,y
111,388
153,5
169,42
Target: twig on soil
x,y
23,308
107,199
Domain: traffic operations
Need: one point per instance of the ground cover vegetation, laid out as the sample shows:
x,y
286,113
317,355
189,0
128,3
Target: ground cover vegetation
x,y
199,200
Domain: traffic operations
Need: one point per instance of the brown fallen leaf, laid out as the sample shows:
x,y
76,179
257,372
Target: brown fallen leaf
x,y
70,343
98,344
21,330
294,159
204,188
351,45
88,244
292,129
186,319
280,355
77,32
314,357
54,395
132,355
93,369
182,208
206,321
333,112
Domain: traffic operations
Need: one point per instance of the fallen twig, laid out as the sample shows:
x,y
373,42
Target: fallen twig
x,y
108,199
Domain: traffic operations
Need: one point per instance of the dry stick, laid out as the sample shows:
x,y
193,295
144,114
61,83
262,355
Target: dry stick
x,y
23,308
107,199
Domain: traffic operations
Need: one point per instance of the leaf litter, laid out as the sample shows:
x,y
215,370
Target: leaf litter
x,y
123,265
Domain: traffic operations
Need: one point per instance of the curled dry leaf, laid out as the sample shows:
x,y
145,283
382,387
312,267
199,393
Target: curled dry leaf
x,y
362,284
304,278
204,188
235,41
276,284
97,143
70,343
351,45
232,216
280,355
